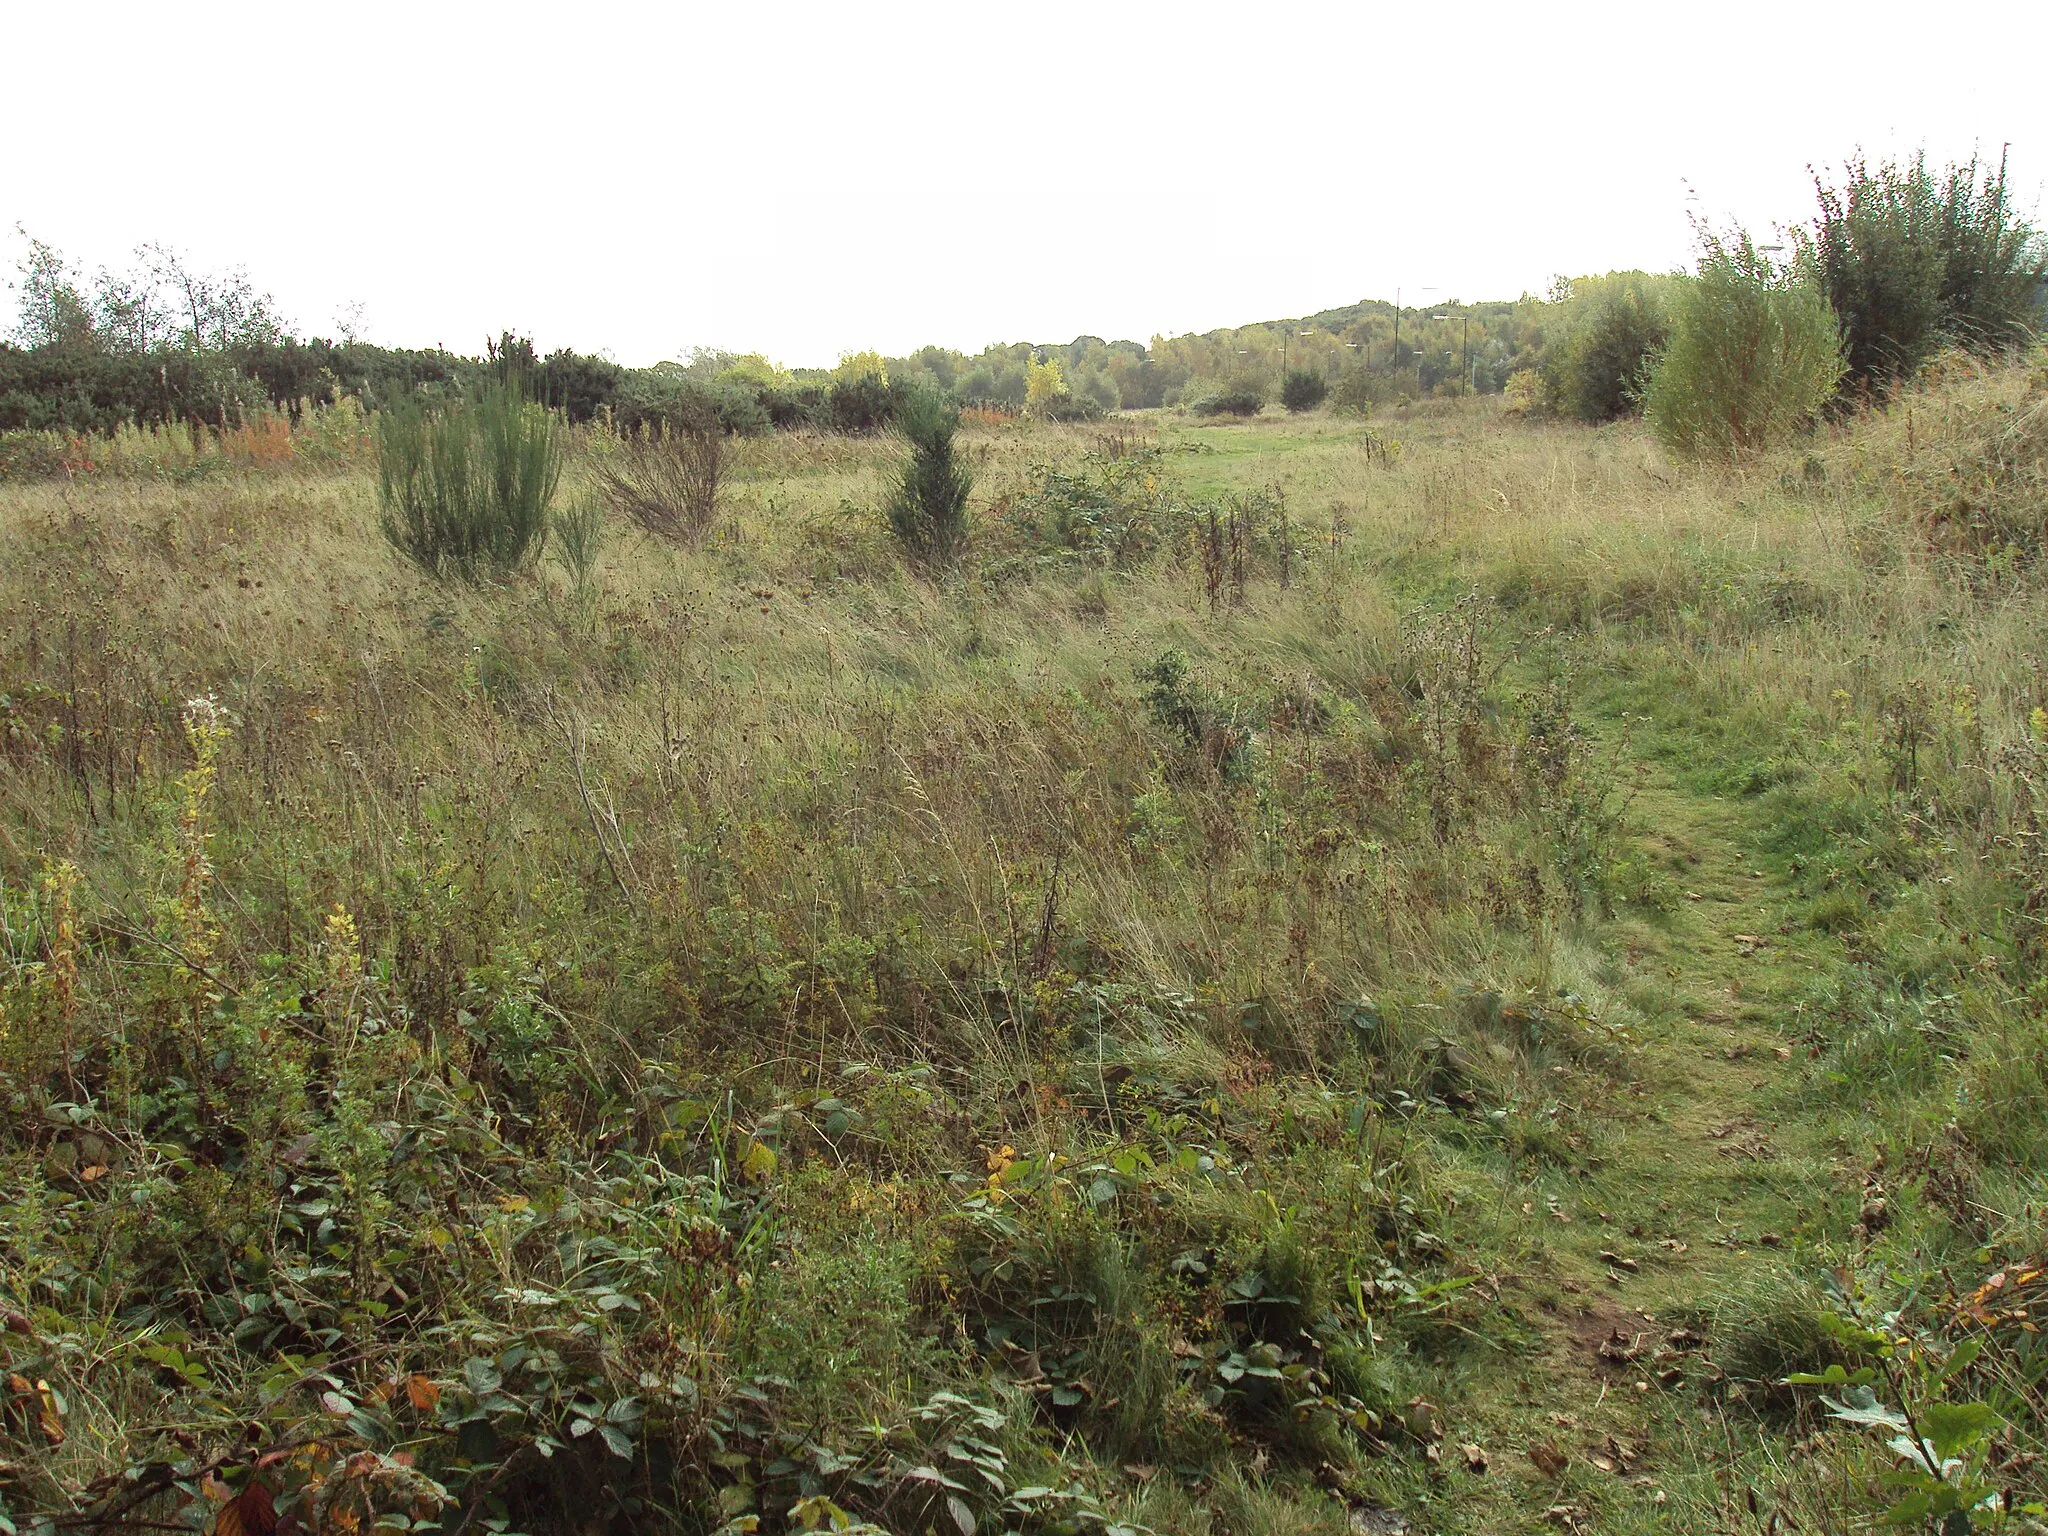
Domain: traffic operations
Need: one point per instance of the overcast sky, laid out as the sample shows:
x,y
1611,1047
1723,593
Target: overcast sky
x,y
808,179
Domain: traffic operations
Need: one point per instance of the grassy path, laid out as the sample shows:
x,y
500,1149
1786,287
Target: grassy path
x,y
1689,1184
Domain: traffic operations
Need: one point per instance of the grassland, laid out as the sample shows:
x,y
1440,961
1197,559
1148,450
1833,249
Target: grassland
x,y
1388,1018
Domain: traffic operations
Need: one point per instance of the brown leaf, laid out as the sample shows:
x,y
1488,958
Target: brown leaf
x,y
1618,1348
422,1392
1475,1456
251,1513
1549,1460
34,1400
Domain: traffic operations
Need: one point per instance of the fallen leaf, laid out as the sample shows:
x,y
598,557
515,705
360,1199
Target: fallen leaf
x,y
1604,1463
1475,1456
1548,1459
1618,1348
422,1393
40,1405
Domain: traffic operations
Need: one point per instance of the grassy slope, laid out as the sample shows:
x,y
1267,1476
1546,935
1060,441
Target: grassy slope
x,y
831,803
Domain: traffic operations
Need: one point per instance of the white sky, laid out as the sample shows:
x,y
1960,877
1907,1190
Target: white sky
x,y
806,179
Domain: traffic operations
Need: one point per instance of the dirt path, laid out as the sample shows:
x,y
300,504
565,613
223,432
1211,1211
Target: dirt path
x,y
1689,1181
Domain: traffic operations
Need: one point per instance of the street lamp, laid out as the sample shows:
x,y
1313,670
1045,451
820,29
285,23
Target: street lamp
x,y
1472,379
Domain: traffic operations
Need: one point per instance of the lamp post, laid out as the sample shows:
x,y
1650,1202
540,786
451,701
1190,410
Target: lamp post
x,y
1472,379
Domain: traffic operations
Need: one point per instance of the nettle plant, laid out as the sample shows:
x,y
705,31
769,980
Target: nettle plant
x,y
1911,1389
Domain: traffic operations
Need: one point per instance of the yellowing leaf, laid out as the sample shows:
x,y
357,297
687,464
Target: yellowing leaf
x,y
422,1393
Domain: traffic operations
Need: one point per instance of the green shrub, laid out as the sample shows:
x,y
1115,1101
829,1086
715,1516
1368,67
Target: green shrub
x,y
1755,353
464,492
1357,390
667,398
1228,400
1606,341
929,512
1303,389
1913,260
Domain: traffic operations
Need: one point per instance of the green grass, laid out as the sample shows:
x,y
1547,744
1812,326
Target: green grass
x,y
810,1025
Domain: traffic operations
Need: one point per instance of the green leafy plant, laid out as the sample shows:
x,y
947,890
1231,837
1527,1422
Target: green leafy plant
x,y
1755,353
465,492
1941,1437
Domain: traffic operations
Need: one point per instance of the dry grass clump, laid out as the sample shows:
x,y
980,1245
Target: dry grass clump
x,y
1973,470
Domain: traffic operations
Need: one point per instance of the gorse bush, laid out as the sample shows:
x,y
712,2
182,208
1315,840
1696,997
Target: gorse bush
x,y
1228,399
464,492
1612,330
929,511
1303,389
1913,260
1755,353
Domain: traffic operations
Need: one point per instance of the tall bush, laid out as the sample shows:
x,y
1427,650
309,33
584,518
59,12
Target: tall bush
x,y
465,492
929,510
1604,342
1913,260
1755,352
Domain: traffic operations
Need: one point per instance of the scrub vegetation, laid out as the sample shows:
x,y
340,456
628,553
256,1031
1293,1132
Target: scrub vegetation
x,y
1468,968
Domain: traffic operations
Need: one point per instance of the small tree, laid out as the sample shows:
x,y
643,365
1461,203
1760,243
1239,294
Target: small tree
x,y
929,512
1045,386
1755,353
1605,341
1303,389
465,492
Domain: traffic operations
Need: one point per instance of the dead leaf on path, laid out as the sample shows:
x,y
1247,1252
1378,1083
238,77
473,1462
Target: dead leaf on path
x,y
1548,1459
